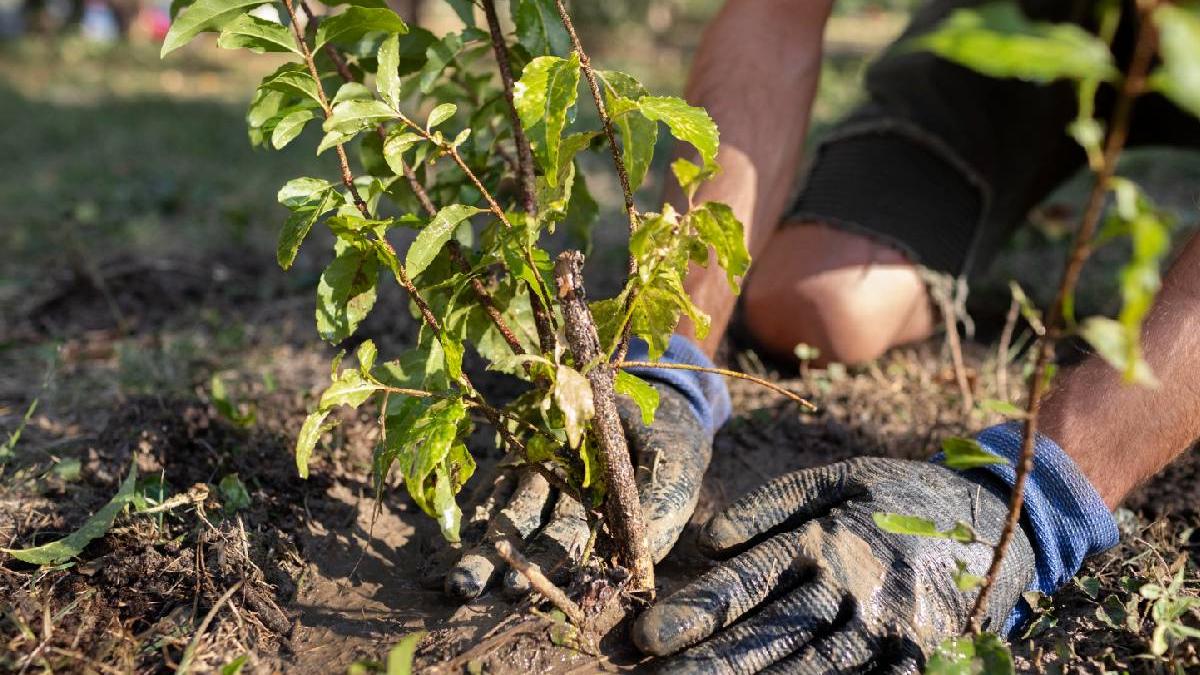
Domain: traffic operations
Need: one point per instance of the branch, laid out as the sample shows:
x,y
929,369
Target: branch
x,y
455,251
525,169
622,505
539,582
543,319
311,62
1133,85
625,365
585,64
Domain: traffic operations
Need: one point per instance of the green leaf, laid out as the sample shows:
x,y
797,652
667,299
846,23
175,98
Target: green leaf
x,y
292,79
966,453
257,35
981,654
234,496
573,396
387,72
290,127
720,229
357,114
434,236
226,406
546,91
529,92
307,208
438,55
394,147
235,666
440,114
1178,78
201,16
1119,347
356,22
688,175
351,389
314,427
997,40
638,134
963,579
898,523
352,91
687,123
366,357
539,27
346,292
93,528
400,658
423,439
640,392
10,445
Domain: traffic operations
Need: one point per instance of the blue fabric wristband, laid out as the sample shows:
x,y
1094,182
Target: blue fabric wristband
x,y
1065,517
705,391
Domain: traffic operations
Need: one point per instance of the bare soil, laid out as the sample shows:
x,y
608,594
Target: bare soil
x,y
321,578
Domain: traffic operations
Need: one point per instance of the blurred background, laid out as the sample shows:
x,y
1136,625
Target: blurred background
x,y
133,205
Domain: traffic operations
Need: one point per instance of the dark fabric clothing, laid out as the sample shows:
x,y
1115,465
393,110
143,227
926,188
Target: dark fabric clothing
x,y
942,162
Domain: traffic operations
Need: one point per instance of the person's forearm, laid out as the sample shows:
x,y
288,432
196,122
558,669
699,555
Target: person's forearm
x,y
756,73
1120,434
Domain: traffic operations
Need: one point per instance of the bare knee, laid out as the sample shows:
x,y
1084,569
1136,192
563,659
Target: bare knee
x,y
845,295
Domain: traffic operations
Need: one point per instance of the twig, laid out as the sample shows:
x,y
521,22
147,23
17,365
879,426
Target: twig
x,y
585,64
543,319
1002,358
311,62
539,582
625,365
622,505
197,494
189,653
942,288
525,167
1081,247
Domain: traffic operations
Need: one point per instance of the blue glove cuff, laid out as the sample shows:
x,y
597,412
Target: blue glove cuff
x,y
1064,515
706,392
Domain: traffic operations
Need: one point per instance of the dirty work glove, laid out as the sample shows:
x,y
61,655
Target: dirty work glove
x,y
670,456
816,587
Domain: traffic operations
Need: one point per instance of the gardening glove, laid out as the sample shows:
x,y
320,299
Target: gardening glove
x,y
670,456
816,587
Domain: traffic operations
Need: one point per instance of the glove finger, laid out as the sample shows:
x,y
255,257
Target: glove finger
x,y
778,630
671,460
723,594
848,650
905,659
789,499
557,548
522,516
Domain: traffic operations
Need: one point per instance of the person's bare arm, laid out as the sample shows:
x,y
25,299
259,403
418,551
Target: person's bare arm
x,y
1121,434
756,73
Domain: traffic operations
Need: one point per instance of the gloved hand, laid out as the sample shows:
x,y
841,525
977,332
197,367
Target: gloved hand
x,y
817,587
670,457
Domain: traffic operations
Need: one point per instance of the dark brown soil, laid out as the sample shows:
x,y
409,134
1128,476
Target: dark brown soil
x,y
321,579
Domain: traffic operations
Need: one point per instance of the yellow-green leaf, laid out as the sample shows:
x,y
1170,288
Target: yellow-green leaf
x,y
997,40
201,16
93,528
434,236
356,22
